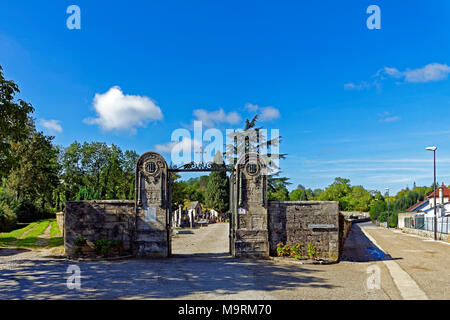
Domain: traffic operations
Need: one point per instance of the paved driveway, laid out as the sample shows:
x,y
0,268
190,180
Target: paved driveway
x,y
210,273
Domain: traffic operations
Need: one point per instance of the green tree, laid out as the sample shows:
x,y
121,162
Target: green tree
x,y
377,208
179,194
337,191
298,195
217,190
14,121
72,173
358,199
35,174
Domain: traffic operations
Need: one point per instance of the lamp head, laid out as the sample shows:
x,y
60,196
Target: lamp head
x,y
431,148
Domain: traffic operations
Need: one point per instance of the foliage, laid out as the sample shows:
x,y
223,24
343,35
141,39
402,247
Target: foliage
x,y
298,195
377,207
217,192
297,251
312,251
14,121
35,171
283,250
86,193
80,241
97,171
191,190
277,189
104,246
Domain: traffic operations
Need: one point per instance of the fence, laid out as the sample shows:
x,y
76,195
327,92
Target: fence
x,y
427,223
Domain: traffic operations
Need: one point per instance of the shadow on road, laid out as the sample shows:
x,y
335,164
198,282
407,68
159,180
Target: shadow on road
x,y
358,248
11,252
147,279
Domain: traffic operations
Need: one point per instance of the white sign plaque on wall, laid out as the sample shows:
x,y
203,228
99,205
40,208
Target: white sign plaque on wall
x,y
321,226
150,214
242,211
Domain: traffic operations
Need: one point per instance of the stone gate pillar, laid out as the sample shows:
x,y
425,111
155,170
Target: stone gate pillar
x,y
251,234
153,202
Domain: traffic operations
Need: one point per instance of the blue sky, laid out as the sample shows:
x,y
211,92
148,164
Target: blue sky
x,y
349,101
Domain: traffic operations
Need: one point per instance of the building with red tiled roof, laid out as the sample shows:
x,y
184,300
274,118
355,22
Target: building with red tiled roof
x,y
426,207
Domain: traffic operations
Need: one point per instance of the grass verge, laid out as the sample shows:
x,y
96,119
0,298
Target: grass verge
x,y
30,234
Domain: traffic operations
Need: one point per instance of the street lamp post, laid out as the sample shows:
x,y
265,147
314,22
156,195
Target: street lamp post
x,y
435,206
387,189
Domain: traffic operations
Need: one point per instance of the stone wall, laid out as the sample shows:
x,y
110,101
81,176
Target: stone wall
x,y
251,236
345,225
96,220
316,222
60,221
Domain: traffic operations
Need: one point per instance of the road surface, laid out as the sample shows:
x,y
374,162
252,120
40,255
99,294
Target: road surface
x,y
202,269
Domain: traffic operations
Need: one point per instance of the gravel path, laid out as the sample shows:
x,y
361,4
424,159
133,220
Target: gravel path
x,y
213,239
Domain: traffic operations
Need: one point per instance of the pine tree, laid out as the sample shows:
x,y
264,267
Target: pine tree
x,y
216,193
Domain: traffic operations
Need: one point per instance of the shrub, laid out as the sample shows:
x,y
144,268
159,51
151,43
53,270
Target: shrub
x,y
283,250
297,251
80,241
8,219
27,211
102,246
87,193
312,251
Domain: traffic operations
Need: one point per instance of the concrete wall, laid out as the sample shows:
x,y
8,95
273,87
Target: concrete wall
x,y
402,216
96,220
427,234
291,222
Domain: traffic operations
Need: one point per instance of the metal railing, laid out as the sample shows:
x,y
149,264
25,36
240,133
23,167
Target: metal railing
x,y
427,223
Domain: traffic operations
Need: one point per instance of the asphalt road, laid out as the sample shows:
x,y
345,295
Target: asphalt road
x,y
202,269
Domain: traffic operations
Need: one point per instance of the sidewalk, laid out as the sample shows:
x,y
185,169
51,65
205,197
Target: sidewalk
x,y
426,261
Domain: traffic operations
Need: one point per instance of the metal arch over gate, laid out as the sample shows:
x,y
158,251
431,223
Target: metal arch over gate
x,y
248,205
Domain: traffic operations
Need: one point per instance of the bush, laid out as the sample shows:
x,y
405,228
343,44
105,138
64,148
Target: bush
x,y
87,193
8,219
80,241
312,251
27,211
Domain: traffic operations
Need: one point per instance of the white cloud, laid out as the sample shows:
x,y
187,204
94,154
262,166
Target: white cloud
x,y
269,113
119,112
387,117
429,73
251,107
212,118
178,146
51,125
265,113
362,85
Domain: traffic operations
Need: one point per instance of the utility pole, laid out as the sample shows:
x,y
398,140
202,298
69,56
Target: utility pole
x,y
435,204
387,189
